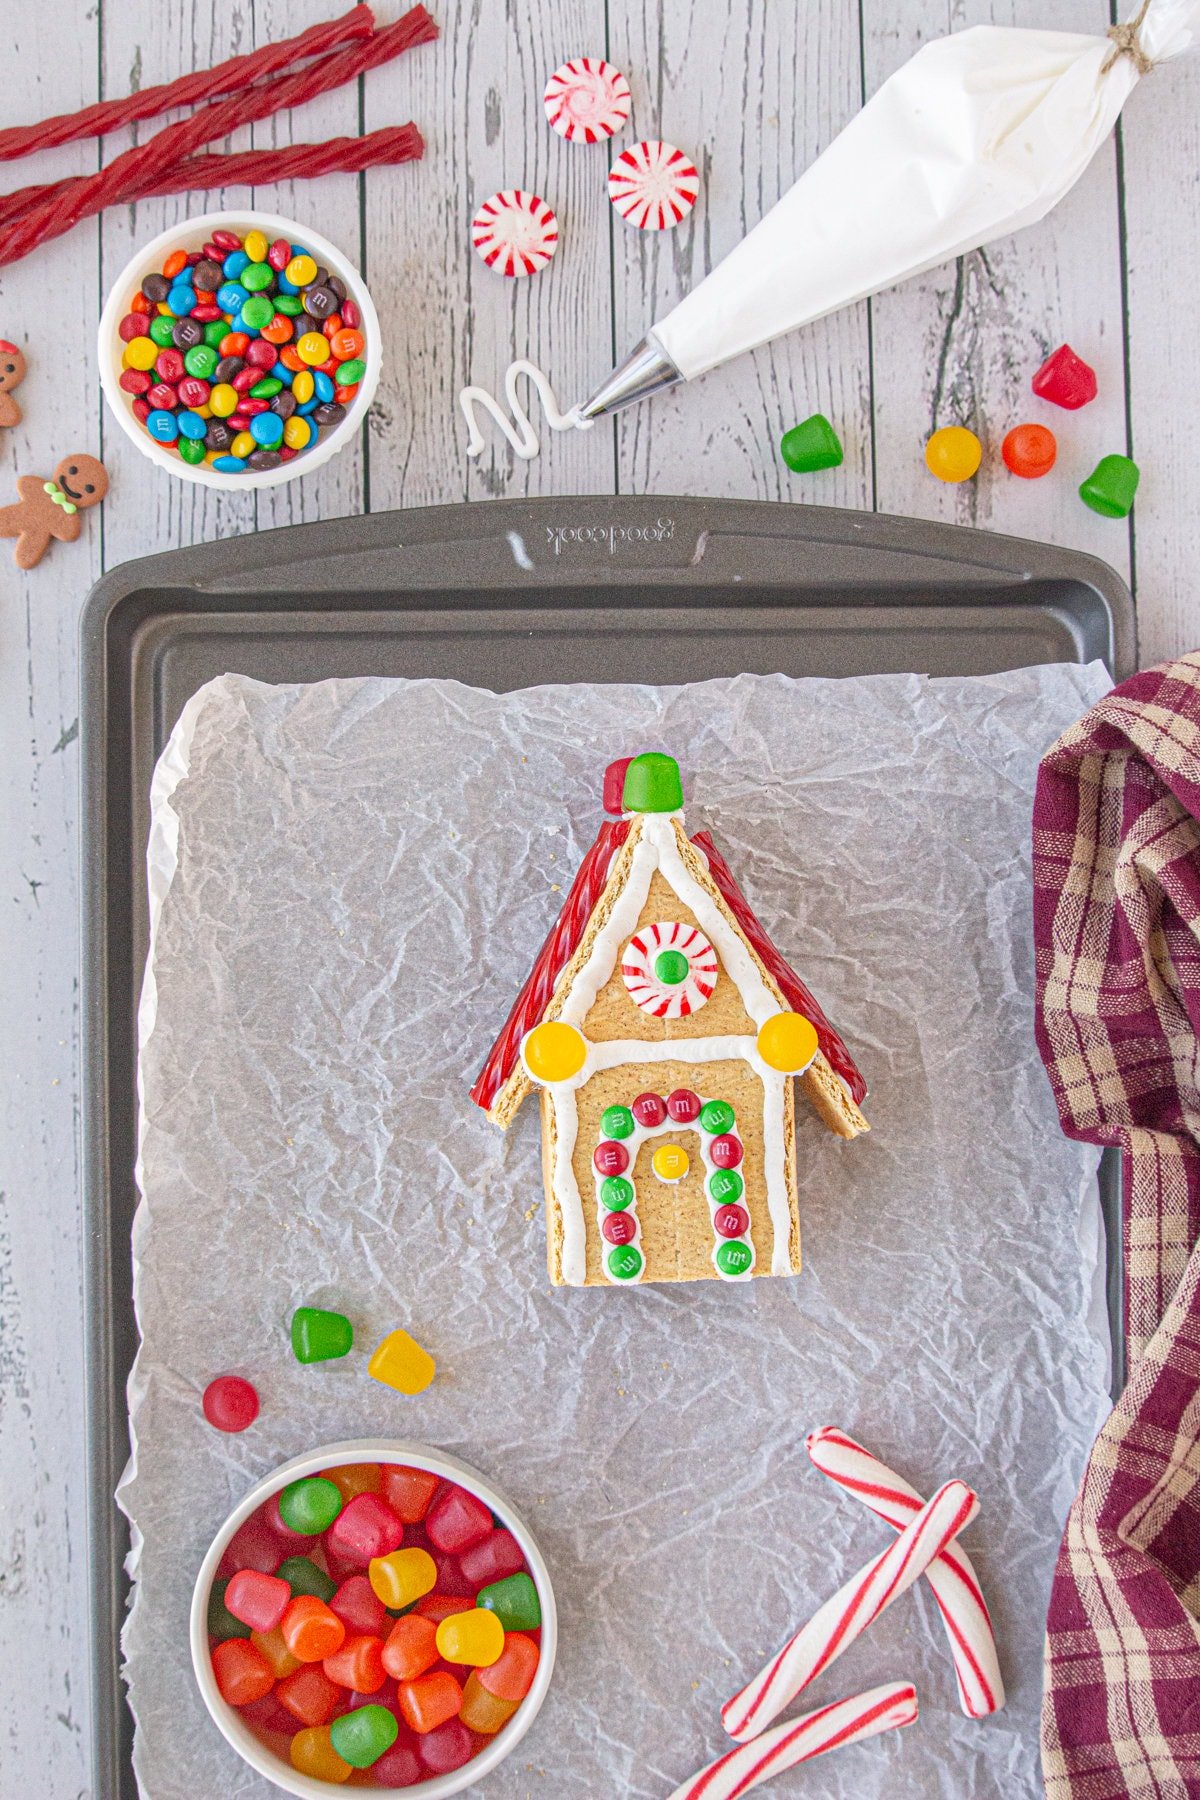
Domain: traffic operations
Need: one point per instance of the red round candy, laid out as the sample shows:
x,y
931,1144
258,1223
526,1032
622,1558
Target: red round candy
x,y
497,1556
731,1221
261,354
359,1607
230,1403
194,257
725,1152
683,1106
207,312
456,1520
234,343
244,380
250,407
238,421
344,395
170,365
141,409
1029,451
279,255
193,391
163,396
650,1110
286,453
139,303
332,323
611,1158
134,324
351,317
226,240
619,1228
135,381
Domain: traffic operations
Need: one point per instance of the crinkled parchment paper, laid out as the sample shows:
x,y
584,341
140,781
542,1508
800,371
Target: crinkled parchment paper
x,y
351,881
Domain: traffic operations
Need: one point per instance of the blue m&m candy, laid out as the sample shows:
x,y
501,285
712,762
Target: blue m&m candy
x,y
229,465
181,300
162,425
233,265
324,386
231,297
267,429
191,425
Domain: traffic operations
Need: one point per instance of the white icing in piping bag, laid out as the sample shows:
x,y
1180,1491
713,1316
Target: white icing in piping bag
x,y
518,429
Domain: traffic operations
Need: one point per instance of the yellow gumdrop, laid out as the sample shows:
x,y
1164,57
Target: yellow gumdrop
x,y
953,453
401,1363
312,1753
303,387
140,353
301,271
402,1577
670,1162
255,245
223,399
475,1637
483,1712
244,444
788,1042
296,431
554,1051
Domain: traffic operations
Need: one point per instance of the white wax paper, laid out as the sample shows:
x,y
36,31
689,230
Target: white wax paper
x,y
350,883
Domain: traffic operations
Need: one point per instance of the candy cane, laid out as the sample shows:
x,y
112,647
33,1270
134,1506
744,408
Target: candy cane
x,y
951,1576
836,1625
829,1728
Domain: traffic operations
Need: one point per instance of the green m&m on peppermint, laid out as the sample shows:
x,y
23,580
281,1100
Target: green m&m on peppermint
x,y
716,1116
671,967
625,1262
616,1122
725,1187
735,1257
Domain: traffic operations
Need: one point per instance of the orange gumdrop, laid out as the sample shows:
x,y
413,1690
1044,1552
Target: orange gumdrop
x,y
242,1672
309,1695
310,1630
1029,451
358,1664
274,1651
353,1479
411,1647
408,1491
510,1677
429,1701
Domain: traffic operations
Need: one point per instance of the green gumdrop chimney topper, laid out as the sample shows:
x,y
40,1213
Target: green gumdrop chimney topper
x,y
652,784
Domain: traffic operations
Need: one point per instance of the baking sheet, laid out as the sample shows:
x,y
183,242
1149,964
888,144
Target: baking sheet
x,y
350,881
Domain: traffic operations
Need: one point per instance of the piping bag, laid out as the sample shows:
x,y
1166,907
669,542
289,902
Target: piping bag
x,y
978,134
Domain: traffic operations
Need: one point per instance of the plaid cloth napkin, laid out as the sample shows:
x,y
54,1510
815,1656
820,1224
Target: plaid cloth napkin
x,y
1116,851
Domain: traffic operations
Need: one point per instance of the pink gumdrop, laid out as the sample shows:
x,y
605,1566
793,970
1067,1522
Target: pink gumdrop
x,y
230,1403
610,1157
399,1767
497,1556
359,1608
253,1546
725,1152
683,1106
449,1747
365,1528
650,1110
257,1599
456,1521
451,1579
296,1541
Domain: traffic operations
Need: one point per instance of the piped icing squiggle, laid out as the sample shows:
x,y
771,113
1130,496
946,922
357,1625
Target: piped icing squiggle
x,y
519,428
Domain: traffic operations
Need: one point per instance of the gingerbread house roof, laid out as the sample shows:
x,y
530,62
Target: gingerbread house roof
x,y
571,925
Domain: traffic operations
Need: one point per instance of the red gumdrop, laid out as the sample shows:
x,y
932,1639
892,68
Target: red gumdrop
x,y
297,1541
230,1403
650,1110
614,785
725,1152
1065,379
447,1747
451,1579
365,1528
610,1157
457,1520
399,1767
497,1556
1029,451
257,1599
359,1607
683,1106
408,1491
253,1546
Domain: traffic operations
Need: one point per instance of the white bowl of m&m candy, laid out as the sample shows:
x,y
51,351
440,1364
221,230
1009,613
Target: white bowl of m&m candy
x,y
373,1613
239,350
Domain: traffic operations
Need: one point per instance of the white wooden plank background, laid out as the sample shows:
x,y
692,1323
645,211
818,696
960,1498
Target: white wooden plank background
x,y
753,91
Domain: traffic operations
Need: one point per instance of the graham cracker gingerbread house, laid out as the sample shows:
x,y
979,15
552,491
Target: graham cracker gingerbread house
x,y
664,1031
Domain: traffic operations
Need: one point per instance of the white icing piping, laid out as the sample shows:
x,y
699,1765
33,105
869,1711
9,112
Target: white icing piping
x,y
566,1188
519,429
775,1170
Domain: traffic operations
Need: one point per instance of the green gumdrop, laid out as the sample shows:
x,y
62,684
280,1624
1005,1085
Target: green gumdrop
x,y
616,1193
1111,486
716,1116
734,1257
725,1186
361,1737
616,1122
813,444
513,1600
652,784
309,1505
304,1577
671,967
221,1622
319,1336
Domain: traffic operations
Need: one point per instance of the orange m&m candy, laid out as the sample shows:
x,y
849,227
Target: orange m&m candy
x,y
347,344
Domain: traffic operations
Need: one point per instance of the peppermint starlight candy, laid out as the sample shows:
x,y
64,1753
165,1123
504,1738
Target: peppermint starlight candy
x,y
587,100
883,1708
855,1606
669,970
515,233
653,185
951,1576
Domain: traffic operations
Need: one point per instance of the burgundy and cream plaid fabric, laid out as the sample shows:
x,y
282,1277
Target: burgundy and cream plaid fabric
x,y
1117,930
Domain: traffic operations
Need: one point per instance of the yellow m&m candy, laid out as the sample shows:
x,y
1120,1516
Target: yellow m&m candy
x,y
953,453
255,245
554,1051
313,349
670,1162
300,272
140,353
402,1577
223,398
788,1042
243,444
296,431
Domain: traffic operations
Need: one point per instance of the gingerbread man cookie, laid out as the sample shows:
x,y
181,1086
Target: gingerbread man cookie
x,y
51,509
12,374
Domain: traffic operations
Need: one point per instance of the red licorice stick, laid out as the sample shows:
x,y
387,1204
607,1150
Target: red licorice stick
x,y
146,163
203,84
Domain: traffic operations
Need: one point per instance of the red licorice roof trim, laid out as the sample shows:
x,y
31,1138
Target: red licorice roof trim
x,y
553,958
785,978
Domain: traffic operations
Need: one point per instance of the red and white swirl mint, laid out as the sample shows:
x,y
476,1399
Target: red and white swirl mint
x,y
651,964
587,100
515,233
653,185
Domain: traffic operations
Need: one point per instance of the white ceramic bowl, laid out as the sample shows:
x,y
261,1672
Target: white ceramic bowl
x,y
363,1450
193,234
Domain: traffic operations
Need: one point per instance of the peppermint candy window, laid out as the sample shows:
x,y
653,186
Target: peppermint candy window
x,y
669,970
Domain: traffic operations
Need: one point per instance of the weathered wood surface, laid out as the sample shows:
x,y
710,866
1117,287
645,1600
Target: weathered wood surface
x,y
752,92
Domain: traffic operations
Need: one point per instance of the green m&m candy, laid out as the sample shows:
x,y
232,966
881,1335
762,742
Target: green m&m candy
x,y
256,312
256,276
289,304
191,449
304,1577
725,1186
616,1121
161,328
267,388
671,967
616,1193
214,331
624,1263
514,1602
309,1505
735,1257
351,372
716,1116
200,361
361,1737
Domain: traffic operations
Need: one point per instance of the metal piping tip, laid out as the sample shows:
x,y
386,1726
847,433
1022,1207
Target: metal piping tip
x,y
646,370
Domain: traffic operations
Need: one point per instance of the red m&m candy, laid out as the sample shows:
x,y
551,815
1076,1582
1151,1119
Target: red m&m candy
x,y
683,1106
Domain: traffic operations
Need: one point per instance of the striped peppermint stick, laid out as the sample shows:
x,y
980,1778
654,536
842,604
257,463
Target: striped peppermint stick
x,y
836,1625
951,1576
829,1728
